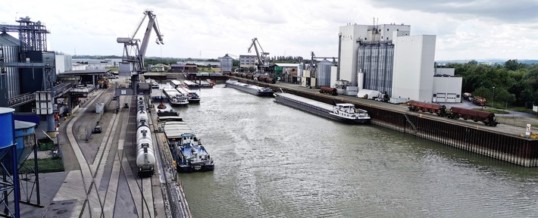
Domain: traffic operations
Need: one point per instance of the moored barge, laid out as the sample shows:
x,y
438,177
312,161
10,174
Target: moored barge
x,y
251,89
175,98
188,152
343,112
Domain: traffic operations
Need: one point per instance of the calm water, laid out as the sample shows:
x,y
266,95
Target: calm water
x,y
275,161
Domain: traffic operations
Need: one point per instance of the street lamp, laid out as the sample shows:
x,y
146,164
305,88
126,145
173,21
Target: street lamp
x,y
493,100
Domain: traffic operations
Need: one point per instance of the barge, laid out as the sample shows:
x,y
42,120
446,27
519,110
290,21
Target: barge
x,y
192,96
188,152
251,89
342,112
175,98
197,85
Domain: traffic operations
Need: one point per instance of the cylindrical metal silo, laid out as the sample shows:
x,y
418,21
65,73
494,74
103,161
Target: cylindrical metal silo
x,y
323,73
6,121
25,139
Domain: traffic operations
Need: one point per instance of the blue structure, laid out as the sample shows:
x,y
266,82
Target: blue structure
x,y
8,164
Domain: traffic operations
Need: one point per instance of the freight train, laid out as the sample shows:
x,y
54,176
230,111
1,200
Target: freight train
x,y
487,118
145,156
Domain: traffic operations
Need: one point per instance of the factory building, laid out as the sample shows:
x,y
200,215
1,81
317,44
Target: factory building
x,y
387,59
368,49
9,82
413,67
226,64
247,61
63,63
446,86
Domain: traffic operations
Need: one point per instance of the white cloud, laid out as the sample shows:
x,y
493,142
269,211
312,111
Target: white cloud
x,y
211,28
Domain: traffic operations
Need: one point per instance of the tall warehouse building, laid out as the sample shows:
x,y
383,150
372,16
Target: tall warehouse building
x,y
9,80
366,54
414,67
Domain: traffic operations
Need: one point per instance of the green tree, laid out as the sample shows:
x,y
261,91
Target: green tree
x,y
512,64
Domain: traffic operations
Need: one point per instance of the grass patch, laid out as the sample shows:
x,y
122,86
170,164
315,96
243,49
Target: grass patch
x,y
48,165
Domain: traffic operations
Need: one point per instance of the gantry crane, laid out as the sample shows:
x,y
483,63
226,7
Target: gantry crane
x,y
260,56
133,53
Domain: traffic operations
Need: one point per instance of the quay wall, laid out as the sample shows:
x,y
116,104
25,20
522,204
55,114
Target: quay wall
x,y
474,138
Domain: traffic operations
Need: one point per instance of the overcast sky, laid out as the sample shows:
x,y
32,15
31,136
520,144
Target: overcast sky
x,y
465,29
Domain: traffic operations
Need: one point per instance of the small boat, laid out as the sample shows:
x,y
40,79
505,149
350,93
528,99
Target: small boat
x,y
251,89
342,112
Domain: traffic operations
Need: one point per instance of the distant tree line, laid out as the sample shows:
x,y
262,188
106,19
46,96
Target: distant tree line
x,y
286,59
511,83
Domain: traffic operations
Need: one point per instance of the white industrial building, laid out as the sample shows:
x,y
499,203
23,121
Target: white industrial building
x,y
413,67
386,58
446,87
365,41
226,64
246,61
63,63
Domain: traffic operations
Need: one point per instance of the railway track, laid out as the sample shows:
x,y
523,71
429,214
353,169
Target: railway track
x,y
100,179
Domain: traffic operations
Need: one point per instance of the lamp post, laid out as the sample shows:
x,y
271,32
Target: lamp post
x,y
493,100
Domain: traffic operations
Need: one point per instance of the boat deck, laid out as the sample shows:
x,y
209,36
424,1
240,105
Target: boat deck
x,y
173,130
307,101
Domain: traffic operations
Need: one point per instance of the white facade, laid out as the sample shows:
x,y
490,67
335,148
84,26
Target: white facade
x,y
334,70
226,63
246,61
413,67
63,63
350,37
447,89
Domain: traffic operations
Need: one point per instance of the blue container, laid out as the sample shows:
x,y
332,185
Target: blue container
x,y
25,139
7,126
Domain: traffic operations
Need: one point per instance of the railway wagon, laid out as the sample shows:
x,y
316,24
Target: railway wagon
x,y
266,79
487,118
438,109
328,90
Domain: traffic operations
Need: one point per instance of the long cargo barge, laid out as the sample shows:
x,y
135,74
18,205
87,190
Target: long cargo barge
x,y
496,142
342,112
251,89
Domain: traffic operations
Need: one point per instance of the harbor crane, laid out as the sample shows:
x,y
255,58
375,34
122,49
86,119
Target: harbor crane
x,y
260,56
133,52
